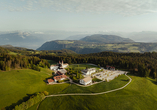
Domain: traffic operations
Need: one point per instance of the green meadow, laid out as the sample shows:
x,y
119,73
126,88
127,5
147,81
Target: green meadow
x,y
140,94
80,67
18,85
100,87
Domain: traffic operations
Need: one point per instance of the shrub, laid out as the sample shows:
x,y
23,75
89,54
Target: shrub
x,y
32,101
46,93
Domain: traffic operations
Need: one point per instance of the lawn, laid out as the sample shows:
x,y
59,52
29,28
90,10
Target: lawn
x,y
80,67
101,87
140,94
17,85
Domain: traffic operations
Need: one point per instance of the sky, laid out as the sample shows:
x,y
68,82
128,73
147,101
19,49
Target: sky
x,y
79,15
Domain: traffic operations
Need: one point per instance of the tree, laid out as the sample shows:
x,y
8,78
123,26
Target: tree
x,y
46,93
147,72
77,75
155,76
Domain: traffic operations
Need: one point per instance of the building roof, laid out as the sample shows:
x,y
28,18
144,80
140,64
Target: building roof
x,y
86,79
110,67
59,77
63,71
86,70
58,73
65,64
50,80
53,65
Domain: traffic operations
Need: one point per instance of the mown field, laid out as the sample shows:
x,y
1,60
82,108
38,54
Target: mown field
x,y
18,85
101,87
80,67
140,94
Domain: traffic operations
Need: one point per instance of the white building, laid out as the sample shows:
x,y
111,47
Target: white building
x,y
65,65
88,71
54,67
59,66
86,80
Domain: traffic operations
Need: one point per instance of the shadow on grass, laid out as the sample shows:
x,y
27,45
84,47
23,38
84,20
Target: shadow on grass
x,y
126,80
155,82
12,106
47,79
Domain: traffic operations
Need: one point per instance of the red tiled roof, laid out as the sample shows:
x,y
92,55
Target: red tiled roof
x,y
59,77
50,80
110,66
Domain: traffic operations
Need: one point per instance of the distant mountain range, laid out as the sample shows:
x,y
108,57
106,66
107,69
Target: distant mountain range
x,y
144,36
99,38
99,43
34,39
20,39
15,48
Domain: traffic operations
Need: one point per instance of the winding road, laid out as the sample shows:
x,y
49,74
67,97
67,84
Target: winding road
x,y
88,94
74,94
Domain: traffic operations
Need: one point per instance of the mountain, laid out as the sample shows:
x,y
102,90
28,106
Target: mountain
x,y
20,39
144,36
99,38
6,46
15,48
60,44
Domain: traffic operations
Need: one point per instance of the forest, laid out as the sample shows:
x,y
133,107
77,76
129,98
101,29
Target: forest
x,y
141,64
8,62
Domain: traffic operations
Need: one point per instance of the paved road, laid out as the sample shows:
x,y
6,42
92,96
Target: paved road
x,y
76,94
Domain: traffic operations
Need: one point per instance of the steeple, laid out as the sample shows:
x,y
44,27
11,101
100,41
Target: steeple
x,y
62,63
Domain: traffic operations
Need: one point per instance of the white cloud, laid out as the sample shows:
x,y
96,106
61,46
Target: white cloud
x,y
125,7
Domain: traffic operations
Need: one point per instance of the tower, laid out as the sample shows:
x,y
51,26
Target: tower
x,y
62,63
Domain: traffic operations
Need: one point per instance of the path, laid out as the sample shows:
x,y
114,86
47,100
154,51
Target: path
x,y
89,94
92,93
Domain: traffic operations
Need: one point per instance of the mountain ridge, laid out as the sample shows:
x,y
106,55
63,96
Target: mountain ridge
x,y
100,38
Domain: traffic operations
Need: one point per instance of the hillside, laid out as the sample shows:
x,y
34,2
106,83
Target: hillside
x,y
18,85
82,47
20,39
60,44
140,94
99,38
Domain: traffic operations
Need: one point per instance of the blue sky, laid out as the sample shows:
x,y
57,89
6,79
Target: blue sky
x,y
79,15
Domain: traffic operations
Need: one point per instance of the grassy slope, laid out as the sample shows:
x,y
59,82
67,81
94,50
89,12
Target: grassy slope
x,y
17,84
101,87
140,94
80,67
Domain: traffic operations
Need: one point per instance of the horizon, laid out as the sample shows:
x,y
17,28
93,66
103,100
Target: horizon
x,y
51,20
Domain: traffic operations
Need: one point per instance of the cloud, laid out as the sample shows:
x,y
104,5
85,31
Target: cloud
x,y
125,7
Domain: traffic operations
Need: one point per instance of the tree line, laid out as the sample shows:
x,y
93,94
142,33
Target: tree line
x,y
142,64
8,62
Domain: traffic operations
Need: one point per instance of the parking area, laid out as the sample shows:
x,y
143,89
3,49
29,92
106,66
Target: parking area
x,y
108,75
